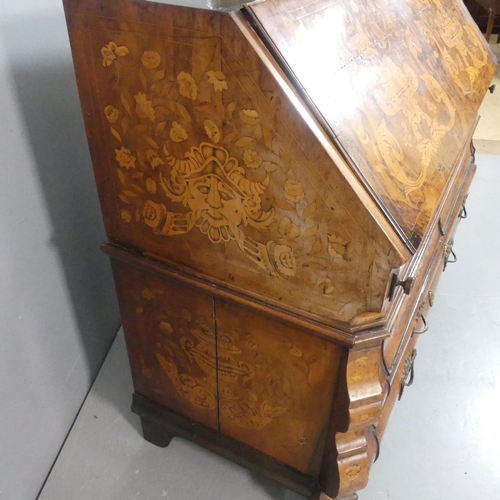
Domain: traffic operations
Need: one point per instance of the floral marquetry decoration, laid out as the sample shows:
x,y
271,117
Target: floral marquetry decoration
x,y
252,159
151,59
294,191
125,158
112,114
276,212
144,107
178,133
187,86
218,80
212,131
111,51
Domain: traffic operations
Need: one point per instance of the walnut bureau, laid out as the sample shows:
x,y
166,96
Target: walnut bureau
x,y
281,183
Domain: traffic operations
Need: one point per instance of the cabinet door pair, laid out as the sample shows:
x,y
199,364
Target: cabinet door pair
x,y
256,380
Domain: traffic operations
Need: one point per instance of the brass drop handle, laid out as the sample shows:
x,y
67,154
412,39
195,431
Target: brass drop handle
x,y
426,326
447,251
408,373
463,212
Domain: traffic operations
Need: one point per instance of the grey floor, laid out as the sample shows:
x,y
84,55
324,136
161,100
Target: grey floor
x,y
442,442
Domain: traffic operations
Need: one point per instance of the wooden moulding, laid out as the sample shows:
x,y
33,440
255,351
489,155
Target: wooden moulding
x,y
217,289
161,424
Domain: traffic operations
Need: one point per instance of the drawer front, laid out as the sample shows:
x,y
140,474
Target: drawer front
x,y
410,318
403,377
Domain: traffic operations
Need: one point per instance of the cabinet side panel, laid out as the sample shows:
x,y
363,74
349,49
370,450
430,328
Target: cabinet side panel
x,y
169,330
276,386
196,165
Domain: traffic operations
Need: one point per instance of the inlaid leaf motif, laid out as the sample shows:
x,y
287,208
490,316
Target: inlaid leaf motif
x,y
151,185
126,105
160,127
182,111
270,166
143,79
116,134
124,199
203,107
166,88
230,138
310,210
137,188
312,231
152,142
244,142
284,205
125,124
276,146
137,175
159,75
230,109
268,137
131,194
121,176
316,248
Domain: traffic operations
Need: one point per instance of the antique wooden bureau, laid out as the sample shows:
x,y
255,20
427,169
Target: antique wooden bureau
x,y
280,183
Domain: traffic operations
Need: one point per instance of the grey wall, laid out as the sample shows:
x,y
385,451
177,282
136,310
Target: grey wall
x,y
58,314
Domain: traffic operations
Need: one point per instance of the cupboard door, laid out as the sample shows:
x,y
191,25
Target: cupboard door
x,y
170,335
276,385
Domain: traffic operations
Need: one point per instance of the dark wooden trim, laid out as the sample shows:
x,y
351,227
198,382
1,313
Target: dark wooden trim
x,y
161,424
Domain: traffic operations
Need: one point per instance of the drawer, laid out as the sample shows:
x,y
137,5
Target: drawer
x,y
397,385
410,316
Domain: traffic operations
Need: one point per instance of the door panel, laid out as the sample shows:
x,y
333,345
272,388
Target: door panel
x,y
276,384
170,337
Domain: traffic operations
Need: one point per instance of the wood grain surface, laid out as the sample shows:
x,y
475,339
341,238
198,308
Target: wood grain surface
x,y
398,83
264,174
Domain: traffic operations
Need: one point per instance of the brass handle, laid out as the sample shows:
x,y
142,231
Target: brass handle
x,y
447,251
406,284
463,212
408,373
426,326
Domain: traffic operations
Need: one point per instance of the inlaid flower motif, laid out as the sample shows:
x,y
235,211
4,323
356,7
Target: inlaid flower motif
x,y
287,228
294,191
125,158
125,215
151,185
285,260
154,159
337,246
178,133
252,159
144,107
111,113
166,327
249,116
212,130
110,51
151,59
218,80
187,86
